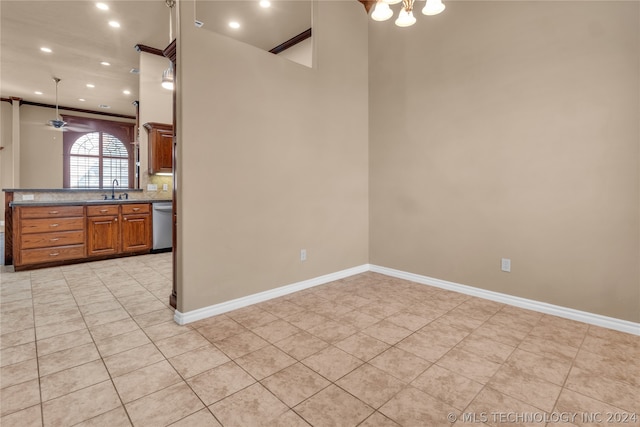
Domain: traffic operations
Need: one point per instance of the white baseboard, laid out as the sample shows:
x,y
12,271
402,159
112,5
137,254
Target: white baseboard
x,y
542,307
213,310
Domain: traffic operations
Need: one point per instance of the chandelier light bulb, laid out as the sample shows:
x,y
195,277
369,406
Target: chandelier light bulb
x,y
405,19
433,7
381,12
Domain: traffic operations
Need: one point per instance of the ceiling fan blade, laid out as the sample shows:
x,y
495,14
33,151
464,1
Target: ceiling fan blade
x,y
59,125
78,128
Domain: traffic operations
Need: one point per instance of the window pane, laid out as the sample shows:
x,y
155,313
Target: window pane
x,y
85,172
113,147
115,169
87,145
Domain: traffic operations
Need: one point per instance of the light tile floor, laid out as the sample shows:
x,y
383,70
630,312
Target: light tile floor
x,y
95,344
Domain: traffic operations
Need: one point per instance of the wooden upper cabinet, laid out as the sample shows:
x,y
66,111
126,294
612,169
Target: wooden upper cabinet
x,y
160,147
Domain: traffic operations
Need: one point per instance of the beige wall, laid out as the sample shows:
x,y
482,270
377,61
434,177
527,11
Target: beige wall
x,y
40,149
273,159
510,129
302,52
41,146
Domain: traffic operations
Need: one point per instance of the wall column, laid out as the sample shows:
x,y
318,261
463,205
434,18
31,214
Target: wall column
x,y
15,142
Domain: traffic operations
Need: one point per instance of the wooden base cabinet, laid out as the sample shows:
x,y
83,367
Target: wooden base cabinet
x,y
49,235
116,229
45,234
103,230
136,228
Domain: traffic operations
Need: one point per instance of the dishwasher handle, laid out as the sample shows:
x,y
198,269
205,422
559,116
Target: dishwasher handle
x,y
163,209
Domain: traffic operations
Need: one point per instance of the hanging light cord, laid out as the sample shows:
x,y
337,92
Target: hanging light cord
x,y
170,5
55,79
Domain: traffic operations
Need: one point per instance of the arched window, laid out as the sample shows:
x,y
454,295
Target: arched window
x,y
95,159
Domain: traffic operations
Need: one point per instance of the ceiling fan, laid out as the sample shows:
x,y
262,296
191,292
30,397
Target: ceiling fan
x,y
57,123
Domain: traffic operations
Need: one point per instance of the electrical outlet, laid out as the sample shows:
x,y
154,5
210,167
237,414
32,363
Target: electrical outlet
x,y
152,187
165,187
27,197
303,254
506,265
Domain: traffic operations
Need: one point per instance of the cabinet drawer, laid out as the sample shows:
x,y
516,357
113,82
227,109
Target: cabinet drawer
x,y
34,256
50,211
45,240
137,208
101,210
51,224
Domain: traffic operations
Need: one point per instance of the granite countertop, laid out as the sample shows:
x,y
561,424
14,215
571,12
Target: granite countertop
x,y
85,202
66,190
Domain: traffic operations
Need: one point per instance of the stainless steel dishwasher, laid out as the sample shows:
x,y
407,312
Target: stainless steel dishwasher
x,y
162,226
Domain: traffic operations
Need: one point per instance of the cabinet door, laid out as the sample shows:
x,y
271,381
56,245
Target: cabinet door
x,y
163,151
160,147
136,233
103,235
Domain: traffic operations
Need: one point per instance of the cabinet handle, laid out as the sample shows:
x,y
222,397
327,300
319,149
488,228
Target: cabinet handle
x,y
54,254
53,212
54,225
136,209
55,239
115,219
104,210
124,219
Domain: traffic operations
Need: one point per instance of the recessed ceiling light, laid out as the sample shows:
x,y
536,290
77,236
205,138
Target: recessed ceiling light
x,y
265,3
114,24
234,24
91,85
126,92
104,106
105,63
38,92
46,49
102,6
81,99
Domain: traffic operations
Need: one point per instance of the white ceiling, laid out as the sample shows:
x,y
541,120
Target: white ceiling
x,y
80,38
263,28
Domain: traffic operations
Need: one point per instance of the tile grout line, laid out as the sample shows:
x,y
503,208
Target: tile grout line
x,y
35,342
93,340
124,407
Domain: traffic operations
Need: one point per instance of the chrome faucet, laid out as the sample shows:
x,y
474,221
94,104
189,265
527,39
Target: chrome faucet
x,y
113,188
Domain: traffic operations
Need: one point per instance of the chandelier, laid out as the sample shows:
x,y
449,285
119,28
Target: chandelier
x,y
382,11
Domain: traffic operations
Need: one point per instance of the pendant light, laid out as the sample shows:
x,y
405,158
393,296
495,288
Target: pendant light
x,y
167,75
